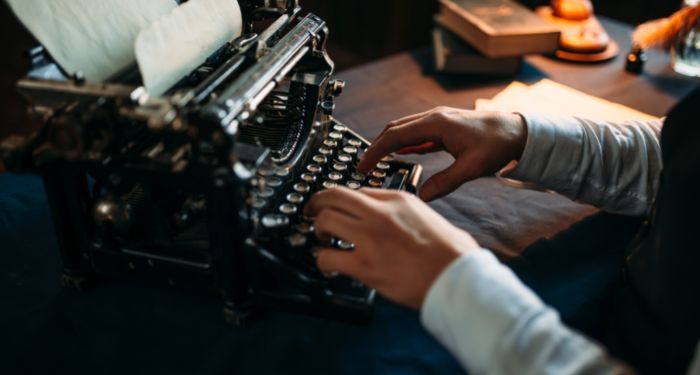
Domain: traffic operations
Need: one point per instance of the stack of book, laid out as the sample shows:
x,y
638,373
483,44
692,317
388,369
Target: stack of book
x,y
488,36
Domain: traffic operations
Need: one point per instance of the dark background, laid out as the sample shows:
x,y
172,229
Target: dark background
x,y
361,31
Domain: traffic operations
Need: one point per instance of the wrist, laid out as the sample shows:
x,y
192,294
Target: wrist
x,y
518,132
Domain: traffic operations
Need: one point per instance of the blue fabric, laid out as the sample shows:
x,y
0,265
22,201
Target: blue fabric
x,y
122,326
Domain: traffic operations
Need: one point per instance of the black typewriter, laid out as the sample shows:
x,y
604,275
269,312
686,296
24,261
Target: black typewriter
x,y
205,186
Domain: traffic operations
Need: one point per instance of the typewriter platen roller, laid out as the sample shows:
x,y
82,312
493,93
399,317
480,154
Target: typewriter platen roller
x,y
205,186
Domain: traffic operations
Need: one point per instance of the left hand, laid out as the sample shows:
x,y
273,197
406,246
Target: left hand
x,y
401,244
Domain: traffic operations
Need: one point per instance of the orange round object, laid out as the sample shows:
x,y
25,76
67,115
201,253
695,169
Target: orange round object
x,y
573,10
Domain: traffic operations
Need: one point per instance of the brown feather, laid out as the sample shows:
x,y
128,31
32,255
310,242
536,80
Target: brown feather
x,y
663,33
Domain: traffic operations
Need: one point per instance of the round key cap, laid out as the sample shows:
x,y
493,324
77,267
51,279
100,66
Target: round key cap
x,y
273,182
335,176
344,158
259,203
340,167
340,128
282,172
355,142
288,209
350,150
308,178
302,187
329,184
297,240
273,221
305,228
335,135
354,185
265,171
314,168
330,143
265,192
343,245
325,151
295,198
383,165
320,159
373,182
378,174
357,176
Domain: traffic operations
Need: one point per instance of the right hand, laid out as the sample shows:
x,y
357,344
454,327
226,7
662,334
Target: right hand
x,y
481,142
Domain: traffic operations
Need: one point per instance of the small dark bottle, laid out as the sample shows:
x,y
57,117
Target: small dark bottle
x,y
635,60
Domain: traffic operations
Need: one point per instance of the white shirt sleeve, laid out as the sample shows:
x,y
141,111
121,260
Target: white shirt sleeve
x,y
493,324
612,166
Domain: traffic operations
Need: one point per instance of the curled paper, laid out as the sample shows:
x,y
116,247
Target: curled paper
x,y
94,37
174,45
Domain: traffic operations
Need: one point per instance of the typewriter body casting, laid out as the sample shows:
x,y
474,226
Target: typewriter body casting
x,y
205,185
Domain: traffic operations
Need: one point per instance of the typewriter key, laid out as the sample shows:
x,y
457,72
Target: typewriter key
x,y
350,150
344,158
275,221
335,176
383,165
378,174
265,192
357,176
305,228
283,172
297,240
340,128
259,203
373,182
295,198
329,184
265,171
330,143
343,245
288,209
314,168
273,182
335,135
340,167
354,185
355,142
325,151
320,159
302,187
308,178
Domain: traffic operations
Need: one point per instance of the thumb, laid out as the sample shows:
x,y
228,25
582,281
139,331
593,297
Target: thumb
x,y
444,182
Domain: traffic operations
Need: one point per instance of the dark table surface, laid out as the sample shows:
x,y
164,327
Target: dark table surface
x,y
122,326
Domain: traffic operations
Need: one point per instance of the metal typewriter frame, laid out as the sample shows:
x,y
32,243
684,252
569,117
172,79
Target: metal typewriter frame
x,y
92,131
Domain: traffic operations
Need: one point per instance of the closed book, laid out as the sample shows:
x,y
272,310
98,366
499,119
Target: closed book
x,y
452,55
499,28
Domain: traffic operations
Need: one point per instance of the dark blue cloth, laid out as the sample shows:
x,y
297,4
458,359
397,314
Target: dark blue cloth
x,y
122,326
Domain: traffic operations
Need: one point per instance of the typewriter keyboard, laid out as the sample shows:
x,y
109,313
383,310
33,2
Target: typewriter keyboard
x,y
280,193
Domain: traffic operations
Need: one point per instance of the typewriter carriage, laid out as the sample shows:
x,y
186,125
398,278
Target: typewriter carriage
x,y
164,188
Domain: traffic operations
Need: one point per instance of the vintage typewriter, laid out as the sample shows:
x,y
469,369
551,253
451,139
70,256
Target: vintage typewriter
x,y
204,187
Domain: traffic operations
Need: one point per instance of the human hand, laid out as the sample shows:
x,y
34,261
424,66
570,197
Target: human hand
x,y
401,244
481,142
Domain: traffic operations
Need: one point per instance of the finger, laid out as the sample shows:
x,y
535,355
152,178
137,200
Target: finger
x,y
445,182
425,148
341,199
412,134
405,120
345,262
379,194
332,223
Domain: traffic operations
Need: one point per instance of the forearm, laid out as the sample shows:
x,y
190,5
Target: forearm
x,y
493,324
612,166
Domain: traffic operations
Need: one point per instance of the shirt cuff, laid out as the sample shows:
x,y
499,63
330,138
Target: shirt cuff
x,y
472,306
548,138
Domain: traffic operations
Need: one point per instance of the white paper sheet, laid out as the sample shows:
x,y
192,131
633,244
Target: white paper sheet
x,y
95,37
549,97
177,43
